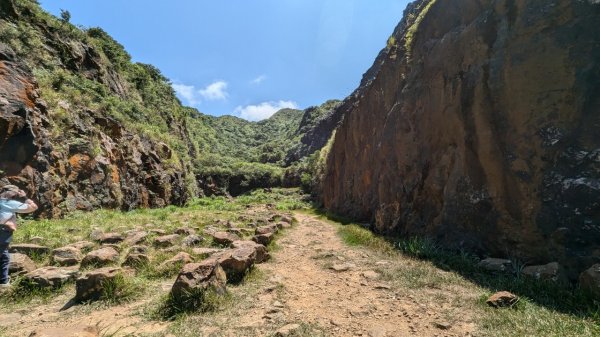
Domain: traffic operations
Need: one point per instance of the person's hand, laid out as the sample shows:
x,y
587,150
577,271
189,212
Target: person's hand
x,y
11,226
22,194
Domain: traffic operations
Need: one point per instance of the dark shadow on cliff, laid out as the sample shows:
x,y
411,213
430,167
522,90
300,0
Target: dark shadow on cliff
x,y
568,299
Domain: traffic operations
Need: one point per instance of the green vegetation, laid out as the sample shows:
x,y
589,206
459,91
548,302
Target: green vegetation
x,y
409,37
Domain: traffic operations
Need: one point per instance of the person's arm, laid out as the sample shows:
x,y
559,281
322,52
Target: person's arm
x,y
28,206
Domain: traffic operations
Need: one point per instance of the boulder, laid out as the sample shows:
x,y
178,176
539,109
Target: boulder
x,y
20,264
166,240
206,251
111,238
496,265
551,272
192,240
136,237
91,286
136,260
100,257
271,229
236,262
66,256
502,299
590,279
180,258
83,245
51,277
29,249
138,249
89,331
197,278
224,238
185,231
262,255
263,239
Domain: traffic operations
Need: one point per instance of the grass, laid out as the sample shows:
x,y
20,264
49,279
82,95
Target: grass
x,y
195,301
545,309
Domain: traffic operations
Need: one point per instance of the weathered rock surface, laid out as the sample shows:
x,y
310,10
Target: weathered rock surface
x,y
29,249
478,126
262,254
91,286
180,259
90,331
51,277
66,256
192,240
136,237
237,262
590,279
496,265
136,260
263,239
199,278
111,238
100,257
166,240
502,299
82,245
550,272
224,238
206,251
20,264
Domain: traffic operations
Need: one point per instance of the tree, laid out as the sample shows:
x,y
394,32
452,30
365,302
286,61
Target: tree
x,y
65,15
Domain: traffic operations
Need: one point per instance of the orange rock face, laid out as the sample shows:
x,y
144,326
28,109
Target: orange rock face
x,y
479,126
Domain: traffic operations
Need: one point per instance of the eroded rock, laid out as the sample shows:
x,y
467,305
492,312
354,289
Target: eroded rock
x,y
29,249
224,238
198,278
551,272
237,262
66,256
51,277
91,285
100,257
496,265
502,299
20,264
166,240
590,280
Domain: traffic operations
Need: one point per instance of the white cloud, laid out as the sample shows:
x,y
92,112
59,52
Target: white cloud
x,y
215,91
187,92
259,79
192,96
263,110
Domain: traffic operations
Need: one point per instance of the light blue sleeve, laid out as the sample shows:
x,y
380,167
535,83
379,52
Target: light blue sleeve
x,y
14,206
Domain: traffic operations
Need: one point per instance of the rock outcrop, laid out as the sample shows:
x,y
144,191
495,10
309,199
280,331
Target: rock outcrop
x,y
478,126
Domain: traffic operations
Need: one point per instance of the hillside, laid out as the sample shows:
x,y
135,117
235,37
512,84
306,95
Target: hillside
x,y
91,129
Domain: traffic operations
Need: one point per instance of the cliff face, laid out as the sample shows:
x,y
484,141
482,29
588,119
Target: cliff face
x,y
479,126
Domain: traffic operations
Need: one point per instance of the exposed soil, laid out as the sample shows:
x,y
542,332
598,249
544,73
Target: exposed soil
x,y
296,286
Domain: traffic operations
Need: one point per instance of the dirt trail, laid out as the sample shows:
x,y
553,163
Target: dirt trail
x,y
299,286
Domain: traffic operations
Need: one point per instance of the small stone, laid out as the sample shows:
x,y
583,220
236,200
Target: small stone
x,y
158,231
48,277
442,325
370,275
496,265
192,240
136,237
502,299
139,249
20,264
340,267
96,234
83,245
100,257
136,260
287,330
111,238
66,256
224,238
166,240
91,285
180,258
551,272
185,231
263,239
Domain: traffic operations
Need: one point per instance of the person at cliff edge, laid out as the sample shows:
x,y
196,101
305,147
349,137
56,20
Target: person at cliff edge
x,y
13,200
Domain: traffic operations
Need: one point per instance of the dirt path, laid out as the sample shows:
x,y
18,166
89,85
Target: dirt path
x,y
298,286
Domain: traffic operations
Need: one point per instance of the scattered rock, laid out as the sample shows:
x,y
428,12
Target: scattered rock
x,y
180,259
442,325
206,251
138,249
550,272
29,249
136,237
262,255
83,245
200,277
90,287
224,238
166,240
339,267
236,262
66,256
111,238
496,265
111,245
96,234
377,332
185,231
236,231
158,231
20,264
136,260
263,239
47,277
370,275
502,299
100,257
272,229
590,279
36,240
192,240
287,330
90,331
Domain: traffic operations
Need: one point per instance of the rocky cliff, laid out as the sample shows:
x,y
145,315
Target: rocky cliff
x,y
479,126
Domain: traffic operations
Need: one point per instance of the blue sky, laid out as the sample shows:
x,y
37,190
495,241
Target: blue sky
x,y
247,58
